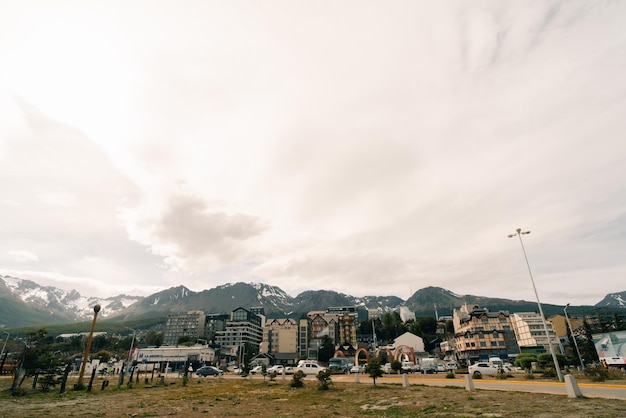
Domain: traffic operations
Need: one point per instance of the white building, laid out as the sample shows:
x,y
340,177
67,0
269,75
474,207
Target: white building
x,y
174,357
406,314
529,331
410,340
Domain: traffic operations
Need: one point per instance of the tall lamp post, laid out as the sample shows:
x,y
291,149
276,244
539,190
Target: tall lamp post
x,y
132,343
96,309
519,233
571,330
5,344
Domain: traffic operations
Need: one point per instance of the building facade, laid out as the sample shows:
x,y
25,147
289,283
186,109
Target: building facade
x,y
243,327
479,334
530,334
190,325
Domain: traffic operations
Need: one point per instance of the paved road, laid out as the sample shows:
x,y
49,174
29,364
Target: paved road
x,y
591,390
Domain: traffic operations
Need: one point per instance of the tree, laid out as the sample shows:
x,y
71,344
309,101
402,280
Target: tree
x,y
373,368
153,338
327,349
587,346
396,365
37,359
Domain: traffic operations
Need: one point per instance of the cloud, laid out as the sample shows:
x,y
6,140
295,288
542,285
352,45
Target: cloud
x,y
367,148
23,256
192,234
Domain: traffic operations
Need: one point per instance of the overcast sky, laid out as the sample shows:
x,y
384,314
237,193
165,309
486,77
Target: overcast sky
x,y
366,147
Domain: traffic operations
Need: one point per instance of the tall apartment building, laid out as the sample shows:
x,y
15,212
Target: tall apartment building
x,y
242,327
530,334
280,340
345,318
190,324
479,334
213,324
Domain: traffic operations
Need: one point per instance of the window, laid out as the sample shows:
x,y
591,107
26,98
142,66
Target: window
x,y
483,344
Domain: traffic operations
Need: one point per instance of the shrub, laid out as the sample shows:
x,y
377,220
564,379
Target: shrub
x,y
450,375
615,374
524,360
477,375
530,375
549,372
297,379
324,379
596,373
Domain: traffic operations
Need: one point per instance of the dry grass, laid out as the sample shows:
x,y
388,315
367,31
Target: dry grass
x,y
257,398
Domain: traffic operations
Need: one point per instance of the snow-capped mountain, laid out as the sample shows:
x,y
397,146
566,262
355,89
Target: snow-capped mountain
x,y
22,300
613,300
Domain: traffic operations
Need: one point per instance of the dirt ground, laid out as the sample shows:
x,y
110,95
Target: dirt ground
x,y
219,397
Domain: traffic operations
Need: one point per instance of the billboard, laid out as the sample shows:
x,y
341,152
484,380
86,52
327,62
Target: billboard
x,y
611,347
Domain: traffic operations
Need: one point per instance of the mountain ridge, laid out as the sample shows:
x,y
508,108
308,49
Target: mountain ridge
x,y
24,302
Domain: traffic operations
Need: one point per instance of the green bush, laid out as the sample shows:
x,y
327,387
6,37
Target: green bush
x,y
297,379
596,373
450,375
524,360
324,379
477,375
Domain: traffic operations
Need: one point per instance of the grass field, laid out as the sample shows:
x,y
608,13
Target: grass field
x,y
219,397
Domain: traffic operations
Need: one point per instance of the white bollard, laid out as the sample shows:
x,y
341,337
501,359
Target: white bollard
x,y
356,378
573,391
469,383
405,380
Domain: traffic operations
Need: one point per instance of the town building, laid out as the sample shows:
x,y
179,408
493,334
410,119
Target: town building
x,y
173,358
531,335
188,325
280,340
243,328
406,314
479,334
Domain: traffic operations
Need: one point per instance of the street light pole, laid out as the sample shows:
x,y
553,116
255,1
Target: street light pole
x,y
519,234
571,330
132,343
96,309
5,344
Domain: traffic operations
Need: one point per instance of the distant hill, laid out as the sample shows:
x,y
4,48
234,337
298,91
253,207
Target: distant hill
x,y
613,301
423,303
25,303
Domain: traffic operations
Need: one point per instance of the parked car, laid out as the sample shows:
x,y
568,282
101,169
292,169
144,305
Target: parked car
x,y
483,368
290,370
237,370
205,371
277,368
359,368
451,367
309,368
386,368
409,367
256,369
